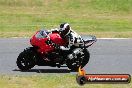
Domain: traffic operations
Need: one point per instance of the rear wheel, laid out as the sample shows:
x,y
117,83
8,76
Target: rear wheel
x,y
86,58
26,59
81,60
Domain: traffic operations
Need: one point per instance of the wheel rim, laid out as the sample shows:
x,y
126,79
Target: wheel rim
x,y
77,62
26,61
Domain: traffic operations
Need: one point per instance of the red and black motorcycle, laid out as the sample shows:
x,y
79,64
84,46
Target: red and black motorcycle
x,y
44,52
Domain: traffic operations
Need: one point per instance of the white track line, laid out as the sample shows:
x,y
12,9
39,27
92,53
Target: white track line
x,y
97,38
114,38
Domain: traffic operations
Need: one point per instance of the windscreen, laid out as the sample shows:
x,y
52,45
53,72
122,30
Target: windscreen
x,y
41,34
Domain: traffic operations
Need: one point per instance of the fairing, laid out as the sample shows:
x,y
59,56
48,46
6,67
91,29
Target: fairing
x,y
38,40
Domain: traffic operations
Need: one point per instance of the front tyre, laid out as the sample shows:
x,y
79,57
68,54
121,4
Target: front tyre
x,y
26,60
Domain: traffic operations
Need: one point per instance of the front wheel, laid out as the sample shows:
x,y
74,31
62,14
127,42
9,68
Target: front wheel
x,y
80,60
26,59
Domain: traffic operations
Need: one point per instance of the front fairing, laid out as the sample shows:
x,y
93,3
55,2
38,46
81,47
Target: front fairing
x,y
40,38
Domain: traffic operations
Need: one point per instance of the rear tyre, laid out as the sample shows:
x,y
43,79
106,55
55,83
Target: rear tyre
x,y
86,58
81,60
26,60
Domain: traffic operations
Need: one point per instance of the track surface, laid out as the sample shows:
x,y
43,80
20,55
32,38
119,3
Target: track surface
x,y
107,56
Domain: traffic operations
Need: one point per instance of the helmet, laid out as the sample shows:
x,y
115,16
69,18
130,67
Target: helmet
x,y
64,29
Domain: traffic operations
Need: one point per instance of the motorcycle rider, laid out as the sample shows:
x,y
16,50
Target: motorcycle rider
x,y
68,34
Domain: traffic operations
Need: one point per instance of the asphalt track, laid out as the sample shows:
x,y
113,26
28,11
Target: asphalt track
x,y
108,56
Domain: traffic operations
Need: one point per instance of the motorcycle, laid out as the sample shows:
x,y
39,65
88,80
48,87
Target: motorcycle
x,y
44,52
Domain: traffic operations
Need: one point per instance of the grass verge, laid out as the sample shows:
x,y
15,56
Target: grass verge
x,y
106,18
50,81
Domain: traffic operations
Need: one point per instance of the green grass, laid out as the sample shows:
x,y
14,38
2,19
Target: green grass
x,y
21,18
50,81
